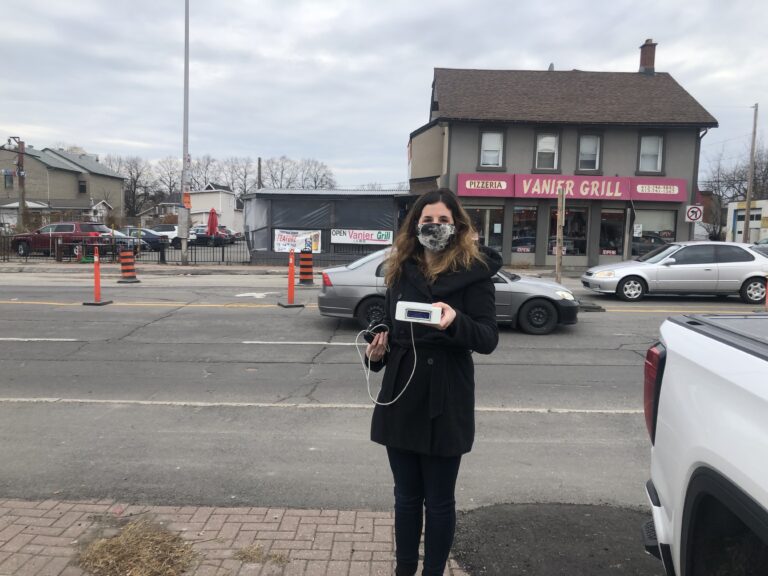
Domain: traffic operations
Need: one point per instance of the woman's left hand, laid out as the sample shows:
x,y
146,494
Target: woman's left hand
x,y
447,317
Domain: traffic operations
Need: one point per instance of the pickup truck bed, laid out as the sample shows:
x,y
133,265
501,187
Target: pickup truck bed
x,y
706,403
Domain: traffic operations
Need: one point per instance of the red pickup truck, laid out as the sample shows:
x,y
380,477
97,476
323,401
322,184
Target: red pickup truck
x,y
73,236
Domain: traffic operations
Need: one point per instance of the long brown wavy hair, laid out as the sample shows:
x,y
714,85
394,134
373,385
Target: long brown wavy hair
x,y
460,254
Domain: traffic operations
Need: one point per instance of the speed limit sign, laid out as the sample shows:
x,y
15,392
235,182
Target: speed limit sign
x,y
694,213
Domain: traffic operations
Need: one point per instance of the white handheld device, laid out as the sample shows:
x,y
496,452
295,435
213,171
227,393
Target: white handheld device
x,y
418,312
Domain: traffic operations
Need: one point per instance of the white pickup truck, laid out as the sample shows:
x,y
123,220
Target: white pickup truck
x,y
706,410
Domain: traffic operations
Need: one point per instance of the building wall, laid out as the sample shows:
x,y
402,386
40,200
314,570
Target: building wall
x,y
427,153
42,183
619,157
104,188
619,151
223,202
758,226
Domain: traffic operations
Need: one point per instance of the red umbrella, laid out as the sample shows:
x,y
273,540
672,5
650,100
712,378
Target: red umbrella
x,y
213,223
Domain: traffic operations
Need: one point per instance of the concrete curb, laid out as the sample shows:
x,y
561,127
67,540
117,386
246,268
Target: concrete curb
x,y
196,270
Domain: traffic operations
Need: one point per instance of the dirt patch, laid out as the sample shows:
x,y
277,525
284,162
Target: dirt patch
x,y
553,539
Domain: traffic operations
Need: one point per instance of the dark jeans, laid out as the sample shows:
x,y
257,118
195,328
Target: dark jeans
x,y
423,482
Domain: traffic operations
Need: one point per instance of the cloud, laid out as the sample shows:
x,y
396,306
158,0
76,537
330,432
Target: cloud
x,y
343,81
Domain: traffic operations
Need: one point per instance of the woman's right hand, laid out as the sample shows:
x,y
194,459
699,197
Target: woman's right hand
x,y
378,347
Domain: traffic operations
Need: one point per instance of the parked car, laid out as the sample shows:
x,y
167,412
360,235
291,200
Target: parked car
x,y
228,233
119,241
202,238
73,236
708,267
646,242
534,305
155,240
172,232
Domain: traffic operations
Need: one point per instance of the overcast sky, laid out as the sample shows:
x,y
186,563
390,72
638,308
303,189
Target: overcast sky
x,y
342,81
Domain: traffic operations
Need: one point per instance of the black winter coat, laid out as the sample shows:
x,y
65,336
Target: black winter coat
x,y
436,414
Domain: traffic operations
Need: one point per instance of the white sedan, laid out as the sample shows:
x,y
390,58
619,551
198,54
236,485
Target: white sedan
x,y
719,268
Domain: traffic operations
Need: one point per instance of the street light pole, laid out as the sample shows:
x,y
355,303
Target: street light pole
x,y
184,209
750,182
21,218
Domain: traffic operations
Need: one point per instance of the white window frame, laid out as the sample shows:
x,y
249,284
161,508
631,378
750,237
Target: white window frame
x,y
597,152
488,147
659,154
539,137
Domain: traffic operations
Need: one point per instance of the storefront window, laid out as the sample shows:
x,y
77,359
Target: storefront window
x,y
574,232
651,229
612,232
488,223
524,229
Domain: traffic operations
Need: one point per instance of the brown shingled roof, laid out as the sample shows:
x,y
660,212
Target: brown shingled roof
x,y
572,97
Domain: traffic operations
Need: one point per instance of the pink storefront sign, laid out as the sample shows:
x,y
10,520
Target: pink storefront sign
x,y
658,189
495,185
576,187
622,188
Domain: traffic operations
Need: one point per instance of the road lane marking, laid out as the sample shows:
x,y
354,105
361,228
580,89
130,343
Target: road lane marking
x,y
38,340
303,406
151,304
682,310
298,343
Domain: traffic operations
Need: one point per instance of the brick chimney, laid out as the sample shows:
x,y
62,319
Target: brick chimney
x,y
648,57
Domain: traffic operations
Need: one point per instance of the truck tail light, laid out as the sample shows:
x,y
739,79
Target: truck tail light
x,y
327,280
654,370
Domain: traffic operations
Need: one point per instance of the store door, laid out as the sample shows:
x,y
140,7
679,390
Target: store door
x,y
488,223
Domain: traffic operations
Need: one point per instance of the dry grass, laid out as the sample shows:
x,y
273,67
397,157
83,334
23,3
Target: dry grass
x,y
142,548
255,554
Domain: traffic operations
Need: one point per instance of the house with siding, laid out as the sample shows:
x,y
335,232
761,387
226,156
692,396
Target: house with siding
x,y
58,186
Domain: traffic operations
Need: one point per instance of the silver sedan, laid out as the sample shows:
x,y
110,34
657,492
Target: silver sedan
x,y
534,305
719,268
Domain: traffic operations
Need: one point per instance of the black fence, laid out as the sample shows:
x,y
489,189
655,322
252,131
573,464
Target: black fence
x,y
109,252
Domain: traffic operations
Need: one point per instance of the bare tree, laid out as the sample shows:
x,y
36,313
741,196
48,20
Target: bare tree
x,y
140,185
280,173
315,175
168,177
114,163
204,170
70,148
728,183
239,174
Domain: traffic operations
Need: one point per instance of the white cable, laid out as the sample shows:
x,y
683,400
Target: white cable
x,y
367,368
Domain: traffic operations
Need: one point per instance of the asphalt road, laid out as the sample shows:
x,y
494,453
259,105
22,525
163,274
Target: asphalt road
x,y
202,390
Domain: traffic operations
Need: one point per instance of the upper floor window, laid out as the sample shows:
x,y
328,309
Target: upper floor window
x,y
589,152
651,150
491,149
547,151
82,187
8,180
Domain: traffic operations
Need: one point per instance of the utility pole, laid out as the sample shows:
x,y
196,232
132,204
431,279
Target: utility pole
x,y
21,218
750,181
185,199
559,244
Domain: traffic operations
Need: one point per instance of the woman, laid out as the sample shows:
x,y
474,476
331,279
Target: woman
x,y
428,428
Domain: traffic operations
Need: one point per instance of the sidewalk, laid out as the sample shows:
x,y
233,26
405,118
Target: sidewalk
x,y
43,538
47,266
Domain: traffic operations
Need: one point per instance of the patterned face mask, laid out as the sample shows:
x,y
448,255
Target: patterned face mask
x,y
435,237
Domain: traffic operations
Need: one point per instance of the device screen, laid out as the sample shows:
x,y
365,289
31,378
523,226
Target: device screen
x,y
418,314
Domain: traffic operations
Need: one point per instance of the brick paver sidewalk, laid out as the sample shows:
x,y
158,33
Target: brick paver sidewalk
x,y
42,538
